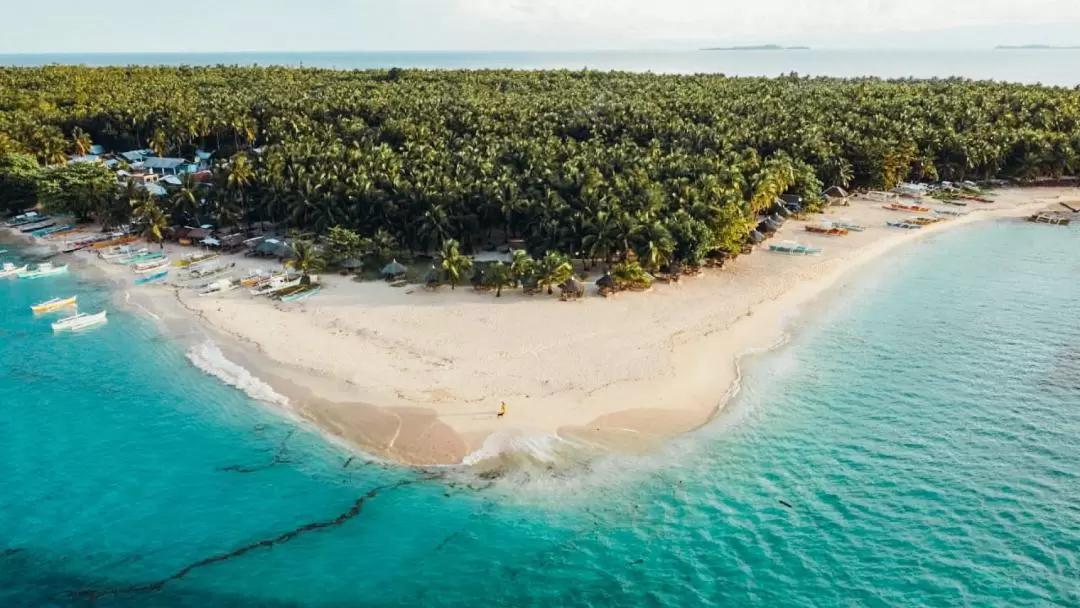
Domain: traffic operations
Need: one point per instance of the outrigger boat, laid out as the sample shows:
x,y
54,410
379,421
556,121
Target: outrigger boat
x,y
141,257
54,304
114,240
37,226
152,278
150,266
222,286
302,294
950,212
1049,218
11,270
196,259
80,321
848,225
827,230
26,218
44,269
53,230
279,283
120,252
904,207
905,225
793,248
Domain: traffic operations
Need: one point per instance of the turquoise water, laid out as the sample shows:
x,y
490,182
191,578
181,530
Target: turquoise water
x,y
923,426
1059,67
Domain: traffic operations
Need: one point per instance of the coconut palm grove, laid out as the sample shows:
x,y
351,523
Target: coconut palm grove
x,y
599,166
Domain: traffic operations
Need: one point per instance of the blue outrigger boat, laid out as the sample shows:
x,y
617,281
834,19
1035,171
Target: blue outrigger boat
x,y
301,295
152,278
53,230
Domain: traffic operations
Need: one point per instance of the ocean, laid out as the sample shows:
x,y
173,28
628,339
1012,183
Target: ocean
x,y
1052,67
915,443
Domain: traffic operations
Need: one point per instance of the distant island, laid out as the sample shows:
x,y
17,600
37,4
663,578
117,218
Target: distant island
x,y
760,47
1035,47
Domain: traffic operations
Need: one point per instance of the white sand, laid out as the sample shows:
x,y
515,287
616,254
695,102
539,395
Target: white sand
x,y
418,376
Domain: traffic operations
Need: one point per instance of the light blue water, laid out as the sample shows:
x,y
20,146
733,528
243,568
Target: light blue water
x,y
1058,67
924,426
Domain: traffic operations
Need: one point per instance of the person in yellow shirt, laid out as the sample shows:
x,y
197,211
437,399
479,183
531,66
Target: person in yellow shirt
x,y
502,410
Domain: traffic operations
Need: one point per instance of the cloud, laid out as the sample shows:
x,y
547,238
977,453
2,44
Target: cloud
x,y
645,20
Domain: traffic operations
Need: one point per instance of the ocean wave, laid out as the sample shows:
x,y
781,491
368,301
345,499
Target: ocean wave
x,y
509,446
209,358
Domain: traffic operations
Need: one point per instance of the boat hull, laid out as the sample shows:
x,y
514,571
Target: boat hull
x,y
80,322
52,305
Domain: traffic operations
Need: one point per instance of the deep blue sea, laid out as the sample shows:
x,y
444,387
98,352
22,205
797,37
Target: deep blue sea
x,y
917,443
1053,67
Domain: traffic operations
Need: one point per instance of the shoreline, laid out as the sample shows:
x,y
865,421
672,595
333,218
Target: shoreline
x,y
642,378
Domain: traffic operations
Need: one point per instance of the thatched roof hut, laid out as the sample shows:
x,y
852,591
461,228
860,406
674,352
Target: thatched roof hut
x,y
393,270
351,264
756,237
836,192
433,278
572,288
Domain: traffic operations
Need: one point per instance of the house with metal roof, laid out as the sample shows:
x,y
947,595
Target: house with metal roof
x,y
135,156
97,150
164,166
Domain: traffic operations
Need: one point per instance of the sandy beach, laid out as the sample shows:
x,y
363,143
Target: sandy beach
x,y
417,376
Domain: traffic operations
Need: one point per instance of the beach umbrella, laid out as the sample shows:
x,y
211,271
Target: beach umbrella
x,y
433,277
393,269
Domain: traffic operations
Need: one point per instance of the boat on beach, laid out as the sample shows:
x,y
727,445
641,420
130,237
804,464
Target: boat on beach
x,y
152,278
31,217
150,266
849,225
951,212
10,270
120,252
80,321
828,230
51,231
115,240
54,304
906,207
905,225
794,248
192,260
30,228
140,257
44,269
1049,218
279,283
221,286
300,295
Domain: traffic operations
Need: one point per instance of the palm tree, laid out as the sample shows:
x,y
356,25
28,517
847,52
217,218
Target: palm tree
x,y
185,200
553,269
522,267
148,214
454,264
499,276
306,259
159,142
240,177
81,141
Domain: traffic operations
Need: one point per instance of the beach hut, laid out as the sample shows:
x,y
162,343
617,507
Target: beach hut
x,y
164,166
835,195
393,271
432,278
353,264
606,284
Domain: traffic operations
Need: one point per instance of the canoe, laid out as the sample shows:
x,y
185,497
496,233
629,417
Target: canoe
x,y
80,321
37,226
124,251
904,225
903,207
827,230
74,248
152,278
11,270
54,304
793,248
43,270
300,295
53,230
196,260
141,257
275,285
27,218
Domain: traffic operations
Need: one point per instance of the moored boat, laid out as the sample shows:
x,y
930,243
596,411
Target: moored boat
x,y
80,321
141,257
29,228
53,230
54,304
1049,218
152,278
905,207
950,212
118,240
45,269
279,283
31,217
848,225
10,270
794,248
221,286
120,252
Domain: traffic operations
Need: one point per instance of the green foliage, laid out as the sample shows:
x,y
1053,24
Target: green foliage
x,y
18,182
307,260
148,215
553,269
343,244
498,276
522,267
606,166
77,189
630,275
454,264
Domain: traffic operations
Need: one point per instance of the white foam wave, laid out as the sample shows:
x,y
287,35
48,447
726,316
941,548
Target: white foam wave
x,y
540,448
209,358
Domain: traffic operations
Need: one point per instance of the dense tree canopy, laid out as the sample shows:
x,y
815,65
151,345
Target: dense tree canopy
x,y
669,168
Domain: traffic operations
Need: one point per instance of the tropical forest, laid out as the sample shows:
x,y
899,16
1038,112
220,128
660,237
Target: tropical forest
x,y
594,166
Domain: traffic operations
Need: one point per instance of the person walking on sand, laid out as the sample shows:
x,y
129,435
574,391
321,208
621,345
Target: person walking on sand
x,y
502,410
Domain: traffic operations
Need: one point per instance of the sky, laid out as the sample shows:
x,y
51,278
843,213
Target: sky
x,y
81,26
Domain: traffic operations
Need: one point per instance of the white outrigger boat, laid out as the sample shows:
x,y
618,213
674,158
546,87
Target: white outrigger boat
x,y
54,304
274,285
222,286
11,270
80,321
150,266
794,248
44,269
120,251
